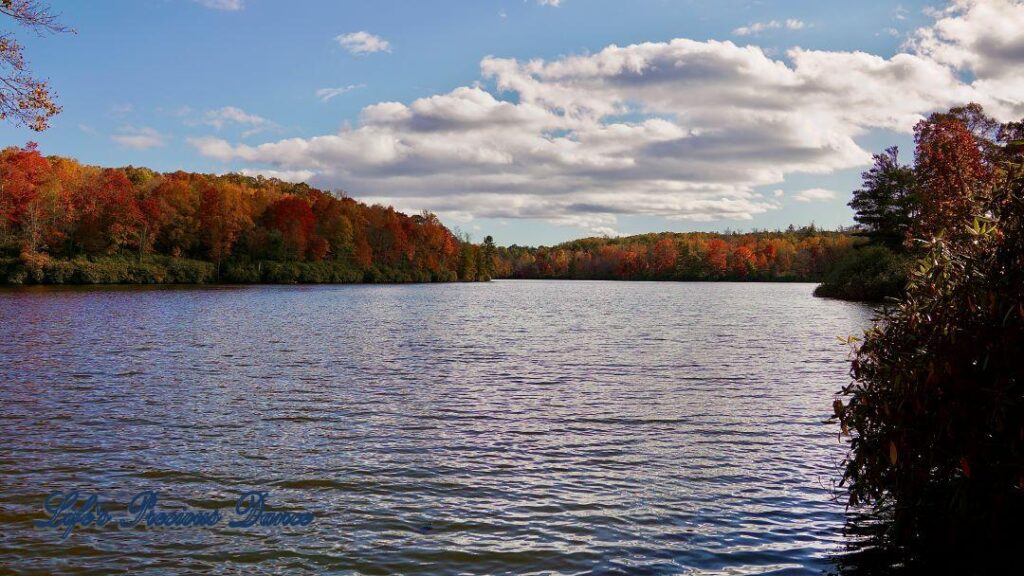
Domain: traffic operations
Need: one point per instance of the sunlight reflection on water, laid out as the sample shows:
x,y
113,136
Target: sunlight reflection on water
x,y
525,427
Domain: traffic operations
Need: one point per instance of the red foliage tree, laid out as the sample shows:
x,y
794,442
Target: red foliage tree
x,y
23,171
743,261
665,254
718,256
57,207
951,172
223,217
294,219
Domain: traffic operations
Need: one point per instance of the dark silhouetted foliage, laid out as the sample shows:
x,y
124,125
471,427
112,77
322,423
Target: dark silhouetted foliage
x,y
887,202
936,407
869,274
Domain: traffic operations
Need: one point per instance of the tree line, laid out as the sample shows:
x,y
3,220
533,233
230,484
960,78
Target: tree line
x,y
796,254
61,221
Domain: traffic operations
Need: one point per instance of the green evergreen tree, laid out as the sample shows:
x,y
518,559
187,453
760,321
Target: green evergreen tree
x,y
886,204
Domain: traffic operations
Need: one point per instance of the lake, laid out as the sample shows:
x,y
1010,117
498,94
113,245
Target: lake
x,y
508,427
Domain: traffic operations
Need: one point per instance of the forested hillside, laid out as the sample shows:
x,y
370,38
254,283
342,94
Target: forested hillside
x,y
64,222
803,254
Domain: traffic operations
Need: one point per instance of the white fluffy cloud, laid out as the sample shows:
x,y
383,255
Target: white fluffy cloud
x,y
680,129
229,115
363,43
986,39
142,138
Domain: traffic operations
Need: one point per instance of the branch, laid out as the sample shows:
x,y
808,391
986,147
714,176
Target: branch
x,y
32,14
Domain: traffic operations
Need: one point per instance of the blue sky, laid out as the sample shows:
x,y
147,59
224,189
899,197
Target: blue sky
x,y
200,85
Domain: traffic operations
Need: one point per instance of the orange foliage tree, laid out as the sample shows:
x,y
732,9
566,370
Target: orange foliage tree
x,y
57,208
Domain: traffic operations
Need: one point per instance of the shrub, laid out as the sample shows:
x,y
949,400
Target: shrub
x,y
445,275
936,406
35,268
61,272
281,272
314,273
35,265
12,272
182,271
869,273
241,273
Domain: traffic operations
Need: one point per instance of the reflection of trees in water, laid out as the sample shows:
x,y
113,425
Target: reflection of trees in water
x,y
874,545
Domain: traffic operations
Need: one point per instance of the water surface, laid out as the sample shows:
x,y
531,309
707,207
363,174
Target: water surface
x,y
510,427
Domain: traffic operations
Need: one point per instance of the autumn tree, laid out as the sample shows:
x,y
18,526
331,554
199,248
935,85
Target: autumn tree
x,y
467,260
796,254
438,247
24,99
22,172
223,217
935,412
743,261
293,219
180,223
665,255
53,207
110,217
984,129
951,172
718,256
332,225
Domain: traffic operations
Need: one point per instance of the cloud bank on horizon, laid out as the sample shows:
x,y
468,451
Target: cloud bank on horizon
x,y
682,129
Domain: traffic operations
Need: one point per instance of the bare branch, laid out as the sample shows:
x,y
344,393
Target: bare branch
x,y
25,100
33,14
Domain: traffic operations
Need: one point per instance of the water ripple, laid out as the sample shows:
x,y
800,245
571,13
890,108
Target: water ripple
x,y
510,427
